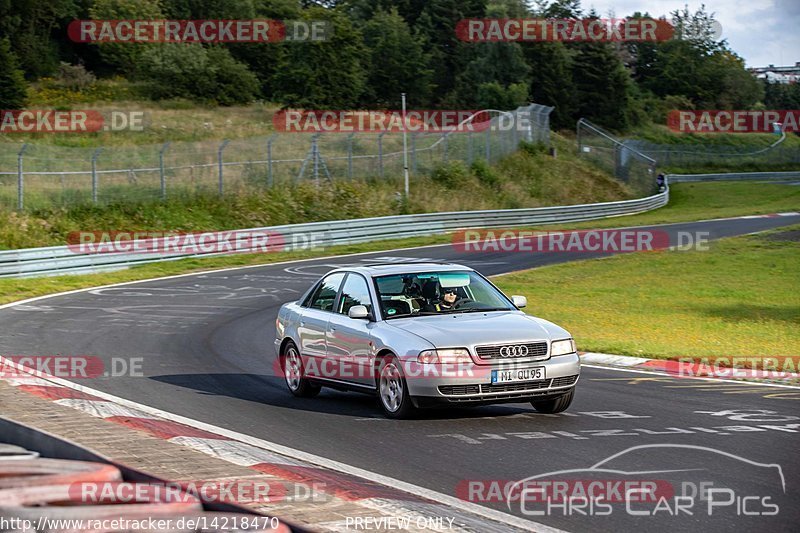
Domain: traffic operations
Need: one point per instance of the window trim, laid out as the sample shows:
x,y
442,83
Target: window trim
x,y
341,289
307,302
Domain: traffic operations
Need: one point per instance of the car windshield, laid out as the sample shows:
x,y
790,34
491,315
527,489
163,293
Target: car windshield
x,y
431,293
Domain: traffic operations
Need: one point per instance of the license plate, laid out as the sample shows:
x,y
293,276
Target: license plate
x,y
517,375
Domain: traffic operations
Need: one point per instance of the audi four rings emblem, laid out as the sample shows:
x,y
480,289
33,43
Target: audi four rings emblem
x,y
520,350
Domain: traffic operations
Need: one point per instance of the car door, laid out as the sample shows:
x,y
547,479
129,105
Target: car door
x,y
314,321
348,339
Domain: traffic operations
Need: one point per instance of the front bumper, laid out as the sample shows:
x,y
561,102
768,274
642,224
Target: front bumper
x,y
561,374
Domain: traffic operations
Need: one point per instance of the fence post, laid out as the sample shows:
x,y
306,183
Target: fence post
x,y
469,148
20,178
270,182
445,142
315,156
489,143
219,162
414,152
350,156
161,171
380,153
514,130
94,174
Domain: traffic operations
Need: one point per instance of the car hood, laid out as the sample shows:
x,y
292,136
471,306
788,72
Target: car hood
x,y
471,329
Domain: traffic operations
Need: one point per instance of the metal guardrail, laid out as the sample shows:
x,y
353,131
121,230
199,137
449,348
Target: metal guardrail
x,y
736,176
55,260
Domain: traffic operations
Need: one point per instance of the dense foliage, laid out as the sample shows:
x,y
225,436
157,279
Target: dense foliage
x,y
380,48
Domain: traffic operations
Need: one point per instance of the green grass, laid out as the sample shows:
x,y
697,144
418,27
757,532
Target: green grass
x,y
740,298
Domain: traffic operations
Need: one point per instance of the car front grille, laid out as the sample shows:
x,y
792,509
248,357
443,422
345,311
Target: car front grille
x,y
513,387
459,390
534,349
564,381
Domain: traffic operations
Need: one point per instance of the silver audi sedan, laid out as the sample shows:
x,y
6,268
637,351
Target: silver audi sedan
x,y
423,334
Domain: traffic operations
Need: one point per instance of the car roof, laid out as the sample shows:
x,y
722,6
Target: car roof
x,y
389,269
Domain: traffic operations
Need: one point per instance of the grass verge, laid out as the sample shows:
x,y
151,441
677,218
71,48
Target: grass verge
x,y
689,201
740,298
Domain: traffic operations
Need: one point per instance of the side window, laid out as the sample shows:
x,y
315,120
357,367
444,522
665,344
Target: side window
x,y
354,292
326,292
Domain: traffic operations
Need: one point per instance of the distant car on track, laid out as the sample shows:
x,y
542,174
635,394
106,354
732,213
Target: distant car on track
x,y
423,334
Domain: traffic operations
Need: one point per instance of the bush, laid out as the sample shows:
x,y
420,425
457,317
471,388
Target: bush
x,y
451,174
530,148
197,73
485,174
74,77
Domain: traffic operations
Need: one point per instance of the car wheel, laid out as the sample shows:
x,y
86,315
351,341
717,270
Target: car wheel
x,y
293,374
393,391
554,405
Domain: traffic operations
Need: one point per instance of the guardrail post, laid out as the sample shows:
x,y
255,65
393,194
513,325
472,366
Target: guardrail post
x,y
269,160
161,171
21,178
380,153
219,162
94,174
350,156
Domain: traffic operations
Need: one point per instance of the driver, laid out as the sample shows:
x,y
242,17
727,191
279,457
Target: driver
x,y
449,298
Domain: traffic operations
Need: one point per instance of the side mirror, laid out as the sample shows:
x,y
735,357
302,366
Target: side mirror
x,y
358,311
519,301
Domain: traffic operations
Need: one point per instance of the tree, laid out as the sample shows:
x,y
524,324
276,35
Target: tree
x,y
327,73
449,55
397,62
551,80
13,89
32,28
125,56
602,85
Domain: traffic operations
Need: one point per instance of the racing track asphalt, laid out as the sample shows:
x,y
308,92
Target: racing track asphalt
x,y
206,346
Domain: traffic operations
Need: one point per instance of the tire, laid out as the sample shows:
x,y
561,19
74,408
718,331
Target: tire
x,y
554,405
292,365
393,391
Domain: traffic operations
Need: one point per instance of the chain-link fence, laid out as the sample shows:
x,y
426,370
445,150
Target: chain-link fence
x,y
686,156
629,165
35,175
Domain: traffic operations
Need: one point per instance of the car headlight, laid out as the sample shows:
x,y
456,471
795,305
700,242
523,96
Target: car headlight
x,y
562,347
446,356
